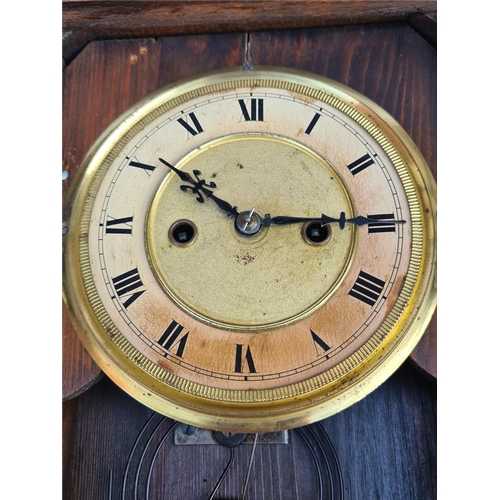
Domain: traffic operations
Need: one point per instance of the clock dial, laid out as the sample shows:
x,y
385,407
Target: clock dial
x,y
252,250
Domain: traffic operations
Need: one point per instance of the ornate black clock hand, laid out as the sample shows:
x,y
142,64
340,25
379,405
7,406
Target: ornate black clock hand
x,y
200,186
283,220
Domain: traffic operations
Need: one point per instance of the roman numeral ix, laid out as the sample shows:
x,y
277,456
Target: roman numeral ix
x,y
119,226
367,288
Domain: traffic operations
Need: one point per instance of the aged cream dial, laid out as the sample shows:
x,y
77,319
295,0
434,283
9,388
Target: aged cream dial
x,y
251,251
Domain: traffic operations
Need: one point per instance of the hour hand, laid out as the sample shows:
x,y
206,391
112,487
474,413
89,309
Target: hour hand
x,y
199,186
284,220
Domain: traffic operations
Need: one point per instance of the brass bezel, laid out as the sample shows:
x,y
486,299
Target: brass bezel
x,y
261,410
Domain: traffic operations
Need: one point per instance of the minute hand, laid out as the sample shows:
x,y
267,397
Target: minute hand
x,y
284,220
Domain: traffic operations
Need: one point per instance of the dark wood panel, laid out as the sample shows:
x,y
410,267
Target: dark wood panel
x,y
88,20
385,446
425,25
168,17
79,370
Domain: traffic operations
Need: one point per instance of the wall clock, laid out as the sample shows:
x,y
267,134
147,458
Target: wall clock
x,y
251,250
388,62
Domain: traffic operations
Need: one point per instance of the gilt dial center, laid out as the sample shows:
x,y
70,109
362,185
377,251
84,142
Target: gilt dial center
x,y
236,257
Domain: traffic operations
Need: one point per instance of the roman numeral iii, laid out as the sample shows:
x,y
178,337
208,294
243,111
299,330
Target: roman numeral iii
x,y
367,288
387,224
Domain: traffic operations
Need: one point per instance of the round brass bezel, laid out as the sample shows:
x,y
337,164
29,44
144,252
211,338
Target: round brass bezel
x,y
259,410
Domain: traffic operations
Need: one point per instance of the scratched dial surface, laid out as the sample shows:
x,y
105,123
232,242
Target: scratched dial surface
x,y
210,324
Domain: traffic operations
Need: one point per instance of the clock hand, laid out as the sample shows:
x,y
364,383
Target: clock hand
x,y
200,186
283,220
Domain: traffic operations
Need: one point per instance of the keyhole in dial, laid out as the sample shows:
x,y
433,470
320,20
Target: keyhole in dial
x,y
183,233
316,234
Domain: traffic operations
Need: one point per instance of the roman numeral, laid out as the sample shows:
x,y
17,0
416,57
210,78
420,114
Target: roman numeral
x,y
256,110
197,127
311,125
319,342
241,359
367,288
359,165
172,338
126,283
124,222
387,224
144,166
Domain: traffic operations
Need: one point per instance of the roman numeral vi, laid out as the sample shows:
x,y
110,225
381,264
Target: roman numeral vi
x,y
242,358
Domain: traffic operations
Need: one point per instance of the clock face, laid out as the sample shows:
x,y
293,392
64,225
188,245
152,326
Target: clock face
x,y
251,250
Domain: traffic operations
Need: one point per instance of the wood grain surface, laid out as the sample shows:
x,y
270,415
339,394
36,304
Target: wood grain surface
x,y
385,445
86,20
173,17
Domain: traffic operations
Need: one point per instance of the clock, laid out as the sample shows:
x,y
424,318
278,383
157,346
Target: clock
x,y
251,250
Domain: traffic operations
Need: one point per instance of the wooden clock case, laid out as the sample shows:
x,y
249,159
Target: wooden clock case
x,y
115,53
